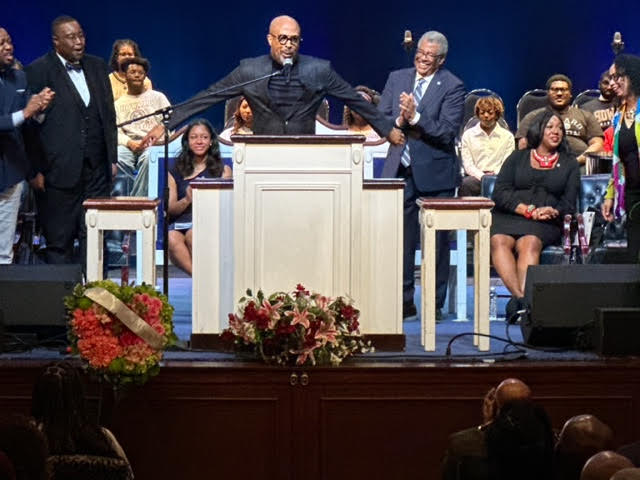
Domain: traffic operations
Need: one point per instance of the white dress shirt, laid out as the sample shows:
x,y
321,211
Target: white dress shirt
x,y
485,153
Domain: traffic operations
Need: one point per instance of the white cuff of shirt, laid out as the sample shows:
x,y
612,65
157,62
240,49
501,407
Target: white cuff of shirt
x,y
415,119
17,118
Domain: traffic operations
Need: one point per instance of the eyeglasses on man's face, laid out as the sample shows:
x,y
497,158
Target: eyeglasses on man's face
x,y
283,39
429,55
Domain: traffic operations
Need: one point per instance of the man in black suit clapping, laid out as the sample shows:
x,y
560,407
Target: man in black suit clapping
x,y
73,150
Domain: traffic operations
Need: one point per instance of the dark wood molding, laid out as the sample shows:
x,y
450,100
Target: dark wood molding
x,y
121,203
383,184
387,342
457,203
212,183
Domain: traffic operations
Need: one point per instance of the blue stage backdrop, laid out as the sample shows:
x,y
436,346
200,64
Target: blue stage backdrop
x,y
507,46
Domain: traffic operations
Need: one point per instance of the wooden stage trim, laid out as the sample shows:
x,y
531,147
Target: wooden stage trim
x,y
381,342
360,420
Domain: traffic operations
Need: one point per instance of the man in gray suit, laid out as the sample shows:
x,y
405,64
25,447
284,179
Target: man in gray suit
x,y
428,104
286,102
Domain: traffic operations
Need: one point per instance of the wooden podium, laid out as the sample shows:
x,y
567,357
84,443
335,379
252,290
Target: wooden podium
x,y
297,211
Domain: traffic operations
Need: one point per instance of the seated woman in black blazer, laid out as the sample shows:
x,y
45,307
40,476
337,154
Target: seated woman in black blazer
x,y
536,187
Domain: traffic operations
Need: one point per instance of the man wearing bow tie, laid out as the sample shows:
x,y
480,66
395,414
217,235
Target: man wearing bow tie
x,y
74,152
427,103
16,107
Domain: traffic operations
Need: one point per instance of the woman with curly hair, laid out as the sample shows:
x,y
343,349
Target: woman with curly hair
x,y
199,158
623,193
123,49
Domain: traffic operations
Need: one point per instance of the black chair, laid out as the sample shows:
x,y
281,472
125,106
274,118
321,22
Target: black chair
x,y
585,96
531,100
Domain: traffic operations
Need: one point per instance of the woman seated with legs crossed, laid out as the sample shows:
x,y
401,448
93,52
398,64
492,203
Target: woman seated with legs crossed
x,y
535,189
199,158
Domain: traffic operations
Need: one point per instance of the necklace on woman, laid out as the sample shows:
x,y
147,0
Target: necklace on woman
x,y
545,161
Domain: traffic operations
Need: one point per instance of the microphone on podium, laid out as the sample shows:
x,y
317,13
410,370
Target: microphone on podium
x,y
617,45
408,42
287,64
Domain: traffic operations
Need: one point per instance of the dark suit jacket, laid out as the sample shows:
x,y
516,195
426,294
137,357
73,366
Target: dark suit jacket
x,y
319,80
13,97
59,154
432,140
466,456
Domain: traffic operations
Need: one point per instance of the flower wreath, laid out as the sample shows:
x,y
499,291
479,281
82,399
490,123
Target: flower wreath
x,y
120,331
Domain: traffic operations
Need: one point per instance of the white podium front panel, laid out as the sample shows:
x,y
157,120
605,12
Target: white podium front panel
x,y
298,210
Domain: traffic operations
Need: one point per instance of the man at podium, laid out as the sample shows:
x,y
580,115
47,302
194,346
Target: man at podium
x,y
288,90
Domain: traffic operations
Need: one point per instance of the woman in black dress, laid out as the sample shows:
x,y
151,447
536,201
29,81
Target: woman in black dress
x,y
536,187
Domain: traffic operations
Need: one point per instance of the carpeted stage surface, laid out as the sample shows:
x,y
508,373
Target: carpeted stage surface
x,y
462,349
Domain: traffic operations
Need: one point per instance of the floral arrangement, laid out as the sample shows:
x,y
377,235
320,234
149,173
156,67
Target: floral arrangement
x,y
98,316
296,328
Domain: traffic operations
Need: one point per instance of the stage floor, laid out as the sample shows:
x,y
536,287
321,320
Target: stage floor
x,y
505,346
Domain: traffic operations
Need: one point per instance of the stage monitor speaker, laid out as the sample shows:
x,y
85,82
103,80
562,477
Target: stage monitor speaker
x,y
31,296
617,331
563,300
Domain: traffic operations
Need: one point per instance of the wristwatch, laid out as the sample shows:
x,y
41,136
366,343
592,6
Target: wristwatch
x,y
529,211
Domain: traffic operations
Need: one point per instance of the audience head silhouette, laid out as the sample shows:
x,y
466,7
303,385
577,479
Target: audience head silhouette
x,y
59,406
511,390
23,449
603,465
520,442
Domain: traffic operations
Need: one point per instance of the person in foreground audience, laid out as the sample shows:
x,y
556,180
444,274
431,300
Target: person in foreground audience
x,y
199,158
517,443
59,406
536,187
485,146
25,448
286,103
583,131
581,437
354,122
604,106
16,106
466,450
623,193
427,102
133,155
242,121
520,443
627,474
603,465
73,152
123,49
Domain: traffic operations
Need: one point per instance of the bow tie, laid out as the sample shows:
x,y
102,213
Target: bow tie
x,y
73,66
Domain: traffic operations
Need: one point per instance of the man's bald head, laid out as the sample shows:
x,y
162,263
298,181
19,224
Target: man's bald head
x,y
627,474
603,465
584,435
284,39
281,20
511,390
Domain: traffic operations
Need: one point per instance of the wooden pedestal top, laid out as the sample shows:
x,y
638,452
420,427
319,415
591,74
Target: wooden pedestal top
x,y
121,203
458,203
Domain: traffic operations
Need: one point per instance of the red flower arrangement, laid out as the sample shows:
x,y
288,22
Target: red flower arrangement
x,y
98,316
296,328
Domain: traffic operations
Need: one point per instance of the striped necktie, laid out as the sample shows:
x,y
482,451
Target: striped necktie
x,y
417,95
